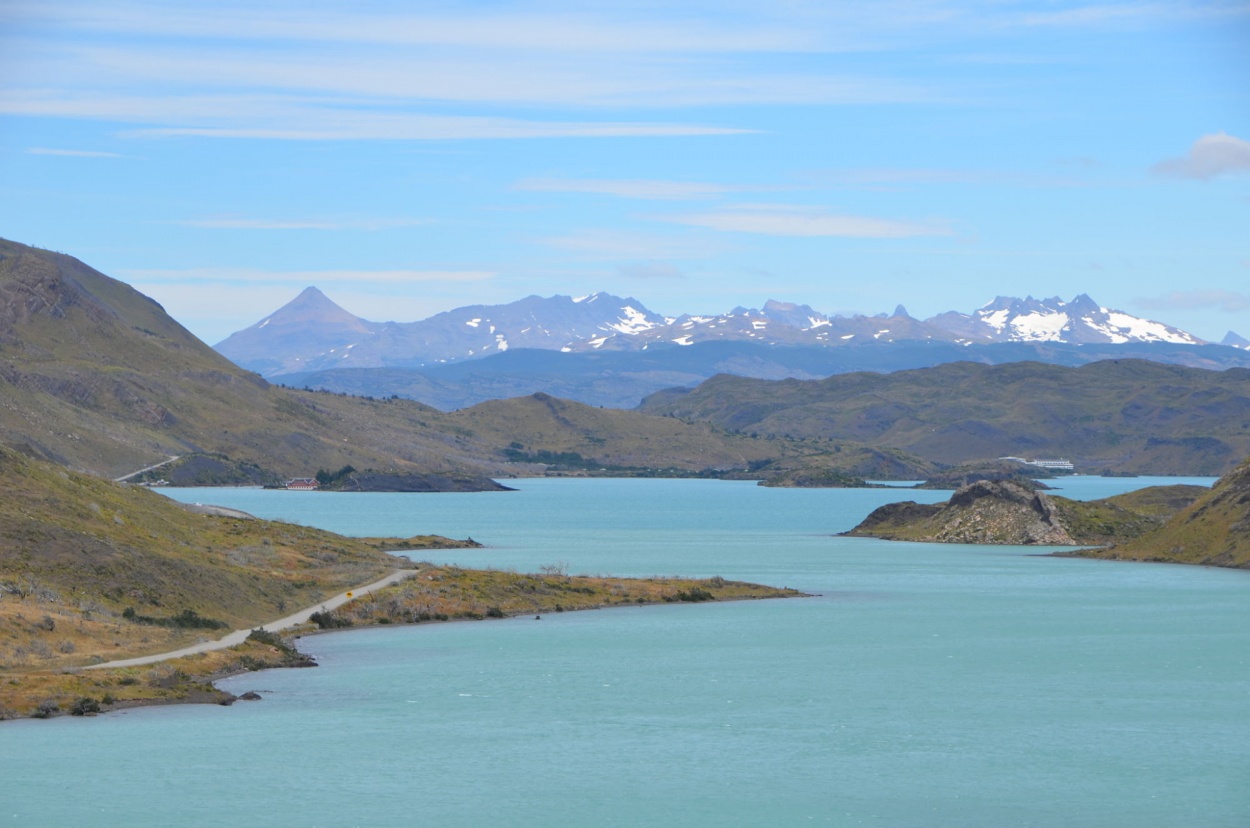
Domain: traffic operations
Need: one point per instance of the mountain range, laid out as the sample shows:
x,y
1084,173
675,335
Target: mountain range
x,y
313,333
607,350
97,377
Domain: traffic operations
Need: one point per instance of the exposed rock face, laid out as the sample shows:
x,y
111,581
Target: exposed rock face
x,y
988,511
1008,512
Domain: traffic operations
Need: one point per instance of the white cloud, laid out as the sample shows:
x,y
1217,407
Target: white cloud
x,y
791,220
72,153
241,223
634,188
1229,301
1209,157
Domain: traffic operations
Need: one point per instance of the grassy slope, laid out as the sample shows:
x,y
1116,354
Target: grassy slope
x,y
82,550
1123,415
1213,531
76,552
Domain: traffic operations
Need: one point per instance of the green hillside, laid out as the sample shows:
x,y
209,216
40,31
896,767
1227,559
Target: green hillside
x,y
1213,531
1119,415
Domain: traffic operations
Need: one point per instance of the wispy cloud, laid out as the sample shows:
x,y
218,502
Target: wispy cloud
x,y
285,117
242,223
1209,157
893,179
1229,301
651,189
253,276
319,74
531,31
793,220
650,270
614,244
72,153
1130,11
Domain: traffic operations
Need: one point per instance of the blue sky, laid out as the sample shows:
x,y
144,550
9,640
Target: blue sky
x,y
409,158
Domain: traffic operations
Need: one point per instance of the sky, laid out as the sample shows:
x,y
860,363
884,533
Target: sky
x,y
409,158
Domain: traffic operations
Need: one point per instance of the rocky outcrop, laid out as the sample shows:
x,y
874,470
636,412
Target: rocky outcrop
x,y
1009,512
988,511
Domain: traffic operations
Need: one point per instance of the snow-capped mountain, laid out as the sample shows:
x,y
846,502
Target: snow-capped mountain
x,y
778,323
1081,321
313,334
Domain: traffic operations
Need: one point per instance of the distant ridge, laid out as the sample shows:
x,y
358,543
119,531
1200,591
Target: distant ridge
x,y
312,334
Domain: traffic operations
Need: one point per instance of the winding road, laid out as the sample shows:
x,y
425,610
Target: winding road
x,y
239,636
126,477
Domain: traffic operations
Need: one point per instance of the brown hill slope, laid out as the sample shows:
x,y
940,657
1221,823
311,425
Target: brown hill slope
x,y
97,377
1118,415
77,551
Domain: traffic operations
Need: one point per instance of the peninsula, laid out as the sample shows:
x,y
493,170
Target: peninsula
x,y
113,596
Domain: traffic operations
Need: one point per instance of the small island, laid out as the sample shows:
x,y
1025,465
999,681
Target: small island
x,y
1164,524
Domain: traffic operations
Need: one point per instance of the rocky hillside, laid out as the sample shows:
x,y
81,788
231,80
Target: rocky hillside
x,y
1010,512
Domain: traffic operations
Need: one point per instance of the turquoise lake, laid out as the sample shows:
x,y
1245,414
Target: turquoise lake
x,y
922,684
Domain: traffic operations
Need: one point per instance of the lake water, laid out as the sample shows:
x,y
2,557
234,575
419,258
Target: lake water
x,y
925,685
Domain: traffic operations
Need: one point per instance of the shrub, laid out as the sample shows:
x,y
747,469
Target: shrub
x,y
494,612
46,709
327,620
85,706
267,637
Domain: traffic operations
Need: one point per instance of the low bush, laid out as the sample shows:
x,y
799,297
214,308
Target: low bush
x,y
85,707
327,620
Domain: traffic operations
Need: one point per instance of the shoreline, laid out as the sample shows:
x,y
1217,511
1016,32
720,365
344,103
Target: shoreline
x,y
182,677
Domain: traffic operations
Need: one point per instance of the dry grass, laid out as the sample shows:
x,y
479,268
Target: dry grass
x,y
434,593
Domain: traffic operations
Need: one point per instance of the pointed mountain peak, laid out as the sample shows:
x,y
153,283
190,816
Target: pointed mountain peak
x,y
313,306
1084,304
1235,340
901,312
